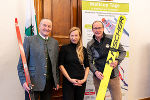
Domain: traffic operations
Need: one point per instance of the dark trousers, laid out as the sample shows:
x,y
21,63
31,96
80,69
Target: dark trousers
x,y
43,95
71,92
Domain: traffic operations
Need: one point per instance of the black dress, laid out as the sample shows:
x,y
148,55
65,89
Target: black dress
x,y
69,59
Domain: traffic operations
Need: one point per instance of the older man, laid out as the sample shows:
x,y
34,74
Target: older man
x,y
98,49
41,54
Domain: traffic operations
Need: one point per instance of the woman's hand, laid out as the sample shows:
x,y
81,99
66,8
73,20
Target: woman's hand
x,y
80,82
74,81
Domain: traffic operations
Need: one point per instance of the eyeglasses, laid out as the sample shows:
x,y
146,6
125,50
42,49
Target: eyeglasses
x,y
95,28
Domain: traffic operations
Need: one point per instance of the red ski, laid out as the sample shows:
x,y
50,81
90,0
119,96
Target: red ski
x,y
23,57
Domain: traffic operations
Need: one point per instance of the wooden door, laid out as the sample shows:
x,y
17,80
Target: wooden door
x,y
64,15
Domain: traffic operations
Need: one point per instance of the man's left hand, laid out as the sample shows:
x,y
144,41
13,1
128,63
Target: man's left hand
x,y
57,87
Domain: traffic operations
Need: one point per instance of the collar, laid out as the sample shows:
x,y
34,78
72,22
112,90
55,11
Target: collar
x,y
72,44
94,37
45,38
97,40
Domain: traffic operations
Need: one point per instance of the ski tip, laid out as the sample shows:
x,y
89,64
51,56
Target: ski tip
x,y
16,21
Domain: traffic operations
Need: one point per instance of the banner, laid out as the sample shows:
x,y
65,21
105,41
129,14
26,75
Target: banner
x,y
108,13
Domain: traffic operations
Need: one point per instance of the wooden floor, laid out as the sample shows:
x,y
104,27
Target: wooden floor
x,y
148,98
57,95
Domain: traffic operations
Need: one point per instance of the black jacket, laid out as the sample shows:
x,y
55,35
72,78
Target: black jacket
x,y
98,52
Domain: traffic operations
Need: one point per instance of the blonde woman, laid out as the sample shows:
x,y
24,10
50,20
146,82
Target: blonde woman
x,y
74,64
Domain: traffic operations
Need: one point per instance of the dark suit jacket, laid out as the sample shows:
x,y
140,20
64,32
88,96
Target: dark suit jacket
x,y
35,56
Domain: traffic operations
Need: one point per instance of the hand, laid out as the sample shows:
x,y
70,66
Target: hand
x,y
25,86
74,81
79,82
99,75
114,64
57,87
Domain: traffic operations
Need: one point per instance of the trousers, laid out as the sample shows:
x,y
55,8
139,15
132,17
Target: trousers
x,y
71,92
113,86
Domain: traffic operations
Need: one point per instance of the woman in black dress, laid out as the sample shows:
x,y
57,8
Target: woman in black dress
x,y
74,64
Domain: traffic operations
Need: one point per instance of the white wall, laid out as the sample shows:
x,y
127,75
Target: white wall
x,y
139,66
10,88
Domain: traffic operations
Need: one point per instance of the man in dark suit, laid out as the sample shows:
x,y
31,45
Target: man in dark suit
x,y
41,54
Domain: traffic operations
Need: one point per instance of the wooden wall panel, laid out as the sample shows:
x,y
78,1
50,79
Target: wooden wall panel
x,y
61,17
79,16
47,9
38,10
74,13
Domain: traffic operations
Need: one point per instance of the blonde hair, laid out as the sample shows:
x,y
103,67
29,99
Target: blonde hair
x,y
79,48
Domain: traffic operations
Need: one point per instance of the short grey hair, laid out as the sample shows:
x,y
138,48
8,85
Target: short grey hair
x,y
97,22
45,19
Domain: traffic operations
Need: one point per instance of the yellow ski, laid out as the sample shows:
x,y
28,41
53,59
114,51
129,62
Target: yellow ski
x,y
111,57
